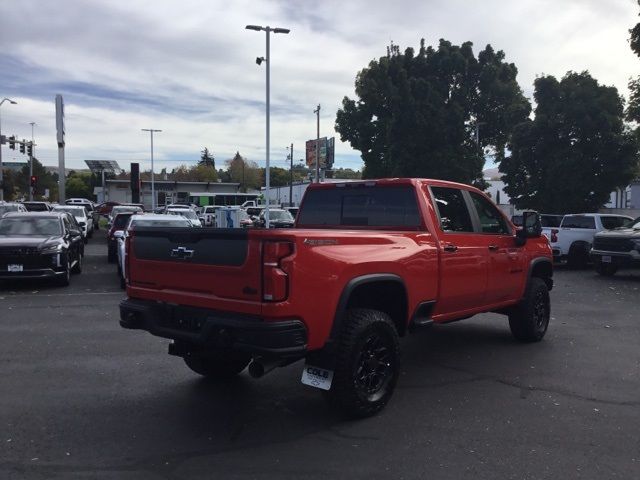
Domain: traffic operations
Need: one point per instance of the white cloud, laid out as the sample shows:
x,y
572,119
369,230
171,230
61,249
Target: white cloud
x,y
188,67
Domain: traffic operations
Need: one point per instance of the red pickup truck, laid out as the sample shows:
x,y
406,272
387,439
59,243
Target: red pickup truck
x,y
366,263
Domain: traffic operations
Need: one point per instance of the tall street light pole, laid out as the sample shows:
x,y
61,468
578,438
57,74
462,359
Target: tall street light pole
x,y
153,187
33,124
259,60
12,102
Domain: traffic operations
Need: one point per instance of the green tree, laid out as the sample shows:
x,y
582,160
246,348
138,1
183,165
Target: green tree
x,y
416,113
633,107
10,186
78,187
244,172
46,181
347,173
206,159
575,151
279,177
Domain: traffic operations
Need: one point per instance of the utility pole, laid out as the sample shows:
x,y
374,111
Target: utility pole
x,y
291,177
31,161
317,112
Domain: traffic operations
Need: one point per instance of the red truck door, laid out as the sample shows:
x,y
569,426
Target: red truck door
x,y
463,258
506,261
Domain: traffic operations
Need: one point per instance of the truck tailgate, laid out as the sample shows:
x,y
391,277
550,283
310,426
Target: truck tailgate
x,y
196,266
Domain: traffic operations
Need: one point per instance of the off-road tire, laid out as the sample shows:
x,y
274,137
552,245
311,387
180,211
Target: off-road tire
x,y
578,257
606,269
218,366
529,320
367,363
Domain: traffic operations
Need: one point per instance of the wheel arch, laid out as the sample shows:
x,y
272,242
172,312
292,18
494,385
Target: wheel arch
x,y
541,268
386,292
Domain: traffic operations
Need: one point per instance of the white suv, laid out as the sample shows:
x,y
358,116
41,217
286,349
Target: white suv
x,y
84,220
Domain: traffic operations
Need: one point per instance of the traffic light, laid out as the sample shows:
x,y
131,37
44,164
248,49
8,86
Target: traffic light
x,y
22,146
34,181
12,142
30,149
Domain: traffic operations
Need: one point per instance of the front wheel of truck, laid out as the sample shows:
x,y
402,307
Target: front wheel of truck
x,y
529,320
218,366
367,363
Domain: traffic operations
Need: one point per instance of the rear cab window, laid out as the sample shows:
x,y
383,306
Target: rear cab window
x,y
579,221
361,205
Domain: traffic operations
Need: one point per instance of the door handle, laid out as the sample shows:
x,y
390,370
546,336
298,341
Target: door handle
x,y
493,248
450,248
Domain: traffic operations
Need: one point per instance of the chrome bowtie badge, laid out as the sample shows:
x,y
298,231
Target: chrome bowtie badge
x,y
181,253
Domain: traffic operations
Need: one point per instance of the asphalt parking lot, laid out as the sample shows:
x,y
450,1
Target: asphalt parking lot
x,y
84,399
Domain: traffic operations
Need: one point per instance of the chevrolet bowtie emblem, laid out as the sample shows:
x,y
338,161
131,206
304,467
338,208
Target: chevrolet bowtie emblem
x,y
181,253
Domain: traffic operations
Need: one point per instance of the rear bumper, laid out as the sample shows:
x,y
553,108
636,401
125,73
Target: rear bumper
x,y
212,329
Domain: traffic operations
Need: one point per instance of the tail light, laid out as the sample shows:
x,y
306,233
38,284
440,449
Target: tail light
x,y
275,279
554,234
127,249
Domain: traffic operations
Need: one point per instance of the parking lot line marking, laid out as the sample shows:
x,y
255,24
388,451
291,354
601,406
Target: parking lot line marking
x,y
7,297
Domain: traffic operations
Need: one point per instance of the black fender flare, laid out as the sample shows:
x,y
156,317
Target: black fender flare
x,y
533,264
349,289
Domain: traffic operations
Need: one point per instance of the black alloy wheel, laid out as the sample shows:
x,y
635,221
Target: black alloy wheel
x,y
529,320
367,363
373,367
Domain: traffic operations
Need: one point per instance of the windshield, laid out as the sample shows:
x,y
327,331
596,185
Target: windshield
x,y
36,207
8,208
76,212
615,222
121,220
190,214
117,210
45,227
149,222
281,215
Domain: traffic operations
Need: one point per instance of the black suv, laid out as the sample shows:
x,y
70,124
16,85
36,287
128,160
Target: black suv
x,y
40,245
617,248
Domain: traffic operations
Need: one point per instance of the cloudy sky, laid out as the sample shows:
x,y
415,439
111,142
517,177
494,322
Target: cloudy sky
x,y
188,67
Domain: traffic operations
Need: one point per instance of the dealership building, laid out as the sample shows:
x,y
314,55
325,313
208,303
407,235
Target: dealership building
x,y
169,191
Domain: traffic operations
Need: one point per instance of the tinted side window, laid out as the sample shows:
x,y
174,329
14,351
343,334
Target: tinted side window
x,y
615,222
67,225
491,220
452,210
579,221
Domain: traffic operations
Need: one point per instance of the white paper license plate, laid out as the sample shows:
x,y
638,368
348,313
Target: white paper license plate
x,y
606,259
14,267
317,377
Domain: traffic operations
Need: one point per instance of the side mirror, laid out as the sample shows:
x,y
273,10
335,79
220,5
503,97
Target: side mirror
x,y
74,233
119,234
531,227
